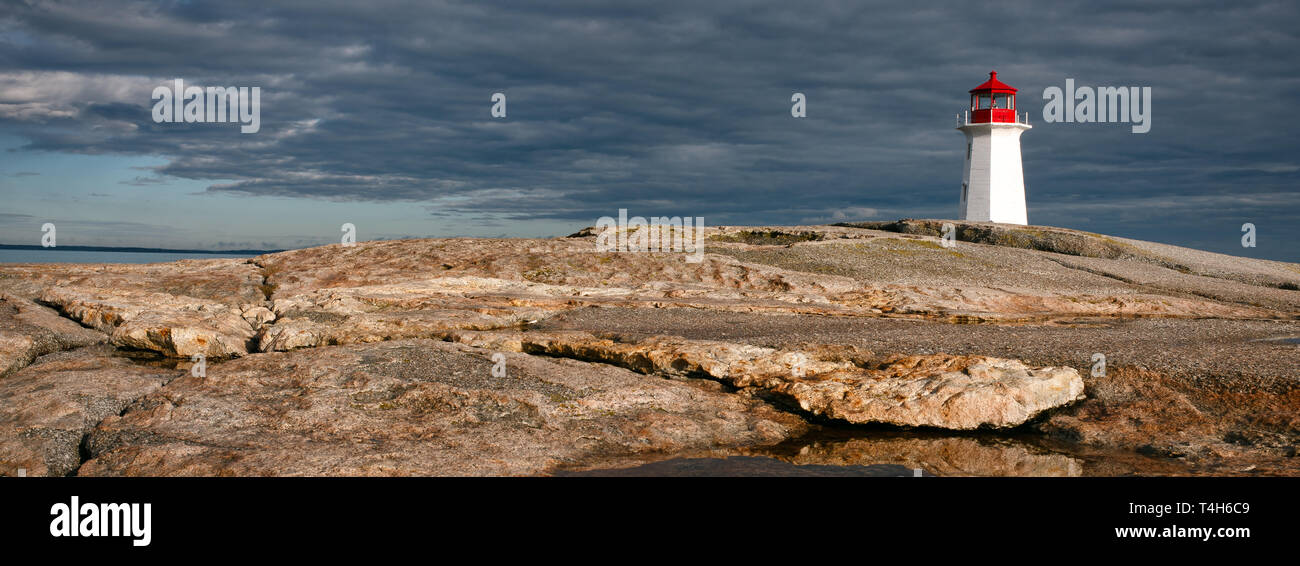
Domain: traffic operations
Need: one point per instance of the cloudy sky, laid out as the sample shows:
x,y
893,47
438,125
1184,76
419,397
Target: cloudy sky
x,y
378,114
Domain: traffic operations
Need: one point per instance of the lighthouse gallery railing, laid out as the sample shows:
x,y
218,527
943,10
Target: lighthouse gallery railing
x,y
963,119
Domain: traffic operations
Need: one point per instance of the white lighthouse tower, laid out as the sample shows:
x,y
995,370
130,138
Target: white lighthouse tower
x,y
993,184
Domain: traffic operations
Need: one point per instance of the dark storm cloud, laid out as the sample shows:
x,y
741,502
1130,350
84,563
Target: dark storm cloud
x,y
678,107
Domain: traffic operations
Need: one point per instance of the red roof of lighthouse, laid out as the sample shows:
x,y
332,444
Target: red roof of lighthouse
x,y
993,85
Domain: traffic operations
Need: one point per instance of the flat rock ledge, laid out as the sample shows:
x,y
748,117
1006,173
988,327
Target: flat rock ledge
x,y
173,325
836,382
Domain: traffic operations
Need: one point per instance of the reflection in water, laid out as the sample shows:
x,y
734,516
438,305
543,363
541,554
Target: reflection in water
x,y
938,455
857,451
747,466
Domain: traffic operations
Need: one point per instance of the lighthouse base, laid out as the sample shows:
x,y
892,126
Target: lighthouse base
x,y
993,184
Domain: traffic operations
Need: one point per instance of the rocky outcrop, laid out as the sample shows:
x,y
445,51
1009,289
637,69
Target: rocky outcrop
x,y
389,312
1040,238
1153,414
172,325
257,315
1255,272
388,290
309,329
573,262
951,392
418,407
230,281
52,404
29,330
369,359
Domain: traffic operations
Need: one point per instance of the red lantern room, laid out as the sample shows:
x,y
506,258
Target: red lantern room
x,y
993,101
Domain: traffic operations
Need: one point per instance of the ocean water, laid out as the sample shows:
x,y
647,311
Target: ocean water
x,y
72,256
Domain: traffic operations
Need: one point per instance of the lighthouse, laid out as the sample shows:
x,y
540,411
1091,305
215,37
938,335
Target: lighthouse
x,y
993,182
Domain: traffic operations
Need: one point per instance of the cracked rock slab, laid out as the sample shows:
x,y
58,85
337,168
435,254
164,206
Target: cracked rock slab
x,y
361,315
939,390
418,407
29,330
952,392
50,405
172,325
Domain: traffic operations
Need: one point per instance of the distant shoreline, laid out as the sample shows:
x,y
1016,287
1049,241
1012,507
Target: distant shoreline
x,y
134,250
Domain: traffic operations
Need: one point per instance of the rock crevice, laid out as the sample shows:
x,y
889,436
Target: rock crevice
x,y
941,391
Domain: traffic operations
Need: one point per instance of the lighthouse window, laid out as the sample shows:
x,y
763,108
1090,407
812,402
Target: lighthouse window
x,y
983,101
